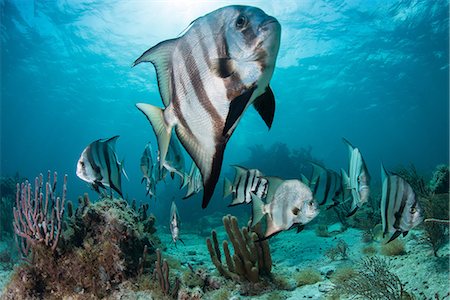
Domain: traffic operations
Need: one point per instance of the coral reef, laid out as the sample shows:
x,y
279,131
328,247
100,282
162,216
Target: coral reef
x,y
369,250
339,252
372,281
307,277
417,182
322,230
101,247
251,259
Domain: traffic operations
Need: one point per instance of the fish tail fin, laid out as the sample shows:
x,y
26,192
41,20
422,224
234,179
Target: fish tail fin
x,y
305,180
257,209
185,180
227,187
162,130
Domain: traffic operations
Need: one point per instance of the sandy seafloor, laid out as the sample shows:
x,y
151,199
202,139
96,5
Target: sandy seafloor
x,y
423,274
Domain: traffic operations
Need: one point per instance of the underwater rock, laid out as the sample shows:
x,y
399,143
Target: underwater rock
x,y
101,248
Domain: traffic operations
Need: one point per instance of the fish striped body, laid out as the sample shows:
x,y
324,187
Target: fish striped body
x,y
358,178
325,185
400,210
207,78
99,166
246,182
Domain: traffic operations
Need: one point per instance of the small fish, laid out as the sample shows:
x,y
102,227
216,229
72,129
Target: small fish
x,y
290,203
357,179
245,183
325,185
174,162
193,181
207,78
175,224
400,210
99,166
147,167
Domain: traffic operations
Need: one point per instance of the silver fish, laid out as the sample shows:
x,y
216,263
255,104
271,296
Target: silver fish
x,y
289,203
207,78
99,166
246,182
193,181
174,162
147,167
400,210
358,178
175,224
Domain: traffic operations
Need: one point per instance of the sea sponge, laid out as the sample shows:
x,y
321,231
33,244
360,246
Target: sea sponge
x,y
393,248
369,250
307,277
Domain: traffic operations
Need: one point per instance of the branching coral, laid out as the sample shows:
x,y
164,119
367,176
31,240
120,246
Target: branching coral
x,y
373,281
161,273
436,210
250,260
38,219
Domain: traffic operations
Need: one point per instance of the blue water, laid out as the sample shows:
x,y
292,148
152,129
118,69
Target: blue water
x,y
374,72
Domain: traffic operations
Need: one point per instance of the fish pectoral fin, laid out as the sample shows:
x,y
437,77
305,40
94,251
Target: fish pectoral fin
x,y
405,233
223,67
237,107
265,106
300,227
162,130
160,56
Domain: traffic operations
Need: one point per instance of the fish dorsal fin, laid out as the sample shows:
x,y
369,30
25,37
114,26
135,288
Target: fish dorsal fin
x,y
350,148
305,180
384,173
227,187
240,170
317,171
265,106
274,183
112,141
223,67
160,56
237,107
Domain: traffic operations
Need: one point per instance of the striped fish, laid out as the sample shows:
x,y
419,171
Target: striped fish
x,y
148,173
207,78
245,183
193,181
99,166
400,210
290,203
325,184
358,178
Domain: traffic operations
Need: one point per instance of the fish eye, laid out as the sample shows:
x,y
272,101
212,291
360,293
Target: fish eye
x,y
82,163
295,210
412,210
241,21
